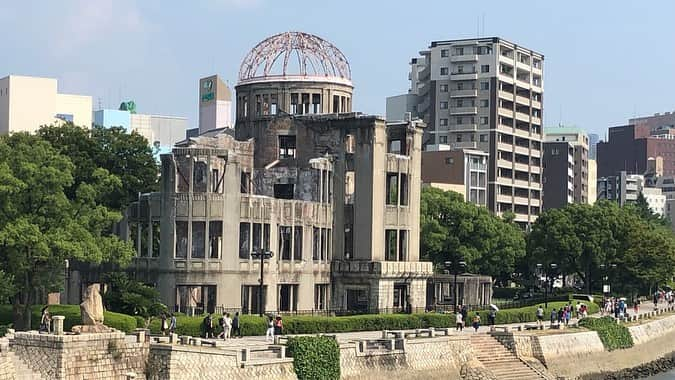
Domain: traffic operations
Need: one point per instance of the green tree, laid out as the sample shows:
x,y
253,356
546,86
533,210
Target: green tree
x,y
128,296
125,155
40,226
452,229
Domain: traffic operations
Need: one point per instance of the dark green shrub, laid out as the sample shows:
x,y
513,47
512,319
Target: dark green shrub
x,y
506,293
118,321
613,335
3,329
140,322
315,357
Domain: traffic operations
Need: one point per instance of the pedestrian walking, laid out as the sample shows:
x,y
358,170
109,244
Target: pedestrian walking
x,y
221,323
492,315
227,328
236,329
172,324
164,324
554,316
568,315
476,322
207,324
269,335
278,326
540,315
465,314
459,321
636,306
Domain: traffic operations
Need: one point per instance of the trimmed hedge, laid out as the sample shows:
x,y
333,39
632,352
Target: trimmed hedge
x,y
613,335
118,321
315,357
254,325
506,293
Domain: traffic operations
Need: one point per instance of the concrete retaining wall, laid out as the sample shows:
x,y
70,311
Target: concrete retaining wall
x,y
87,356
7,371
168,362
652,330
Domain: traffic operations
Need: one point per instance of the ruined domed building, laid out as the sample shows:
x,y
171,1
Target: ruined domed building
x,y
328,197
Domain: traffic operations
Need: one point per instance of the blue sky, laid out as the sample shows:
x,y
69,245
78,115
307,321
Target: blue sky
x,y
605,61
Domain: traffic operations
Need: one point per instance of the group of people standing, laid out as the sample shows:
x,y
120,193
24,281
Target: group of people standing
x,y
168,323
275,326
230,326
461,317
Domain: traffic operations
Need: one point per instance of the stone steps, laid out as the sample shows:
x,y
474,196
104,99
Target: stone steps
x,y
504,364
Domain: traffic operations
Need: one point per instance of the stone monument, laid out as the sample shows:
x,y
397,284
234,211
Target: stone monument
x,y
91,310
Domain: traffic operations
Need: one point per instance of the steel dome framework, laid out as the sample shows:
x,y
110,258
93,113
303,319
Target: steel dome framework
x,y
316,59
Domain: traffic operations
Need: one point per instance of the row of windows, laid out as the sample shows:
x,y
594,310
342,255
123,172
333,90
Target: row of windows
x,y
464,50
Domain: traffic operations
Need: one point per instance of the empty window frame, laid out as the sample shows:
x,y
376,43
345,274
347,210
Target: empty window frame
x,y
294,104
321,292
396,245
283,190
199,177
198,240
155,238
215,239
216,181
181,239
245,182
285,242
392,188
244,240
273,104
297,242
316,103
287,297
286,147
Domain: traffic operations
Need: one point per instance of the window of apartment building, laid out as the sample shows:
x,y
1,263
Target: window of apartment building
x,y
484,103
443,139
485,85
484,50
444,71
483,120
444,53
459,120
285,242
198,239
460,86
392,188
459,137
181,239
287,297
460,69
483,138
485,68
460,103
396,245
297,242
321,292
286,147
443,122
443,88
215,239
443,105
459,51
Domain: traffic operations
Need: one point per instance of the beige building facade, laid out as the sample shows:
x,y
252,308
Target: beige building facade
x,y
27,103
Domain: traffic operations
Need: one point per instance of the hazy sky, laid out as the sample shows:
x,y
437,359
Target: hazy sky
x,y
605,61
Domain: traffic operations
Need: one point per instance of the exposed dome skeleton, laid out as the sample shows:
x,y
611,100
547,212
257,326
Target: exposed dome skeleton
x,y
316,58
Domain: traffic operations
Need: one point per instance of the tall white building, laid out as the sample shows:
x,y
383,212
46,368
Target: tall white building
x,y
485,94
215,104
27,103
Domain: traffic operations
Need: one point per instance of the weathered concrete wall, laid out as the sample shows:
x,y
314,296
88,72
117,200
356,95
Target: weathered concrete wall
x,y
653,330
428,358
87,356
169,362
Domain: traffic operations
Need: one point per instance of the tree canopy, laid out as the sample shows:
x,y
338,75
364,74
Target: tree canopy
x,y
454,230
633,249
41,225
124,155
128,296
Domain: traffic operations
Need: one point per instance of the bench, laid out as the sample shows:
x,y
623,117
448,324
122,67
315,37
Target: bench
x,y
531,327
445,331
397,334
425,332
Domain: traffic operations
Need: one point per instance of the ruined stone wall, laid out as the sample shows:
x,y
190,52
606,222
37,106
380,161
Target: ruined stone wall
x,y
172,362
87,356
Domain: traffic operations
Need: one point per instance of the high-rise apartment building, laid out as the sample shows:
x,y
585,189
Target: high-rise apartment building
x,y
621,188
565,166
485,94
463,171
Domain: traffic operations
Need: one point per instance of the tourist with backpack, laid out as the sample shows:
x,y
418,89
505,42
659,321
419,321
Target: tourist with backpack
x,y
207,325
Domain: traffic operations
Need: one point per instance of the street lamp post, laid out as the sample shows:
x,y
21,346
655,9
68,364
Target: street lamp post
x,y
606,268
262,255
455,265
553,266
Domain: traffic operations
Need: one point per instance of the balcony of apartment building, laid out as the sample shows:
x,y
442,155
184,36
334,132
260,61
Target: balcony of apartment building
x,y
537,66
505,159
523,113
505,111
464,75
506,54
463,110
521,178
521,195
464,93
523,61
522,146
467,55
424,74
522,128
537,82
522,162
523,96
523,77
505,142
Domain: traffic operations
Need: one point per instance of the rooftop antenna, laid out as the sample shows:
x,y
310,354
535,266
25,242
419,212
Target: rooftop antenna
x,y
483,33
477,26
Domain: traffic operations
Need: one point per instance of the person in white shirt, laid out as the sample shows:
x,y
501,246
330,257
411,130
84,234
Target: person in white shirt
x,y
269,336
459,321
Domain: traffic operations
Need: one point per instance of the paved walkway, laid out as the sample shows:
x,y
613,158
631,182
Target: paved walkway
x,y
256,341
